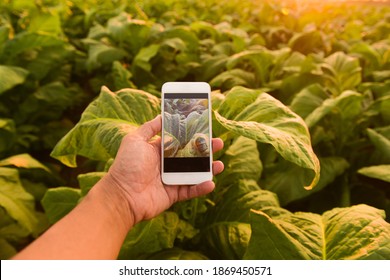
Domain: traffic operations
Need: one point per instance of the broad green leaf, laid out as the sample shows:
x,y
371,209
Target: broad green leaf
x,y
227,240
381,172
37,189
132,34
212,66
381,76
15,200
143,57
60,201
50,60
11,76
103,124
308,99
102,54
267,120
23,5
242,161
357,232
285,178
121,76
47,103
25,41
344,71
371,56
234,202
155,235
260,60
204,29
184,33
23,161
46,23
381,106
88,180
176,254
14,232
348,104
382,146
308,42
232,78
236,101
292,84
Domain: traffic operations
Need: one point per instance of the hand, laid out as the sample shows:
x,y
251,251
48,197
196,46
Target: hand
x,y
136,174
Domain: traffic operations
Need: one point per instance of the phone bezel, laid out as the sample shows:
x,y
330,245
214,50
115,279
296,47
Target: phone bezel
x,y
185,178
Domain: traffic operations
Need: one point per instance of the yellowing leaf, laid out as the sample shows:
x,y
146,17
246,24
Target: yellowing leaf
x,y
103,124
267,120
358,232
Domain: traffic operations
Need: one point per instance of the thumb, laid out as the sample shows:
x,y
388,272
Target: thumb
x,y
150,128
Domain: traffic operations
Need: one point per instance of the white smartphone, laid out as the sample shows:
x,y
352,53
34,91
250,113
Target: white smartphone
x,y
186,151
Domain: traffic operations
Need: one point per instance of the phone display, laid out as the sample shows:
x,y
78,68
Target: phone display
x,y
186,136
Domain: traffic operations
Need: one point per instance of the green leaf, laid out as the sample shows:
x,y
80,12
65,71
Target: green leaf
x,y
100,54
47,23
176,254
121,76
381,172
348,104
16,201
308,99
232,78
37,189
26,41
155,235
382,146
308,42
129,33
212,67
242,161
47,103
345,71
143,57
230,106
48,61
227,240
285,178
11,76
103,124
358,232
267,120
184,33
60,201
260,60
234,202
88,180
381,76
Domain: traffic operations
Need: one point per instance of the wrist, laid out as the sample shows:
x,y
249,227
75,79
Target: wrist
x,y
114,202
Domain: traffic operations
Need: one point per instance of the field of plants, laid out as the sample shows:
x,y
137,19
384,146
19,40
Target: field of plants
x,y
301,98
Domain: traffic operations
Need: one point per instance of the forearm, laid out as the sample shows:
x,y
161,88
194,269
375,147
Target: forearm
x,y
95,229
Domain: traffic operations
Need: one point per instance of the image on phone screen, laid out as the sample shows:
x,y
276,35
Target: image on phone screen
x,y
186,132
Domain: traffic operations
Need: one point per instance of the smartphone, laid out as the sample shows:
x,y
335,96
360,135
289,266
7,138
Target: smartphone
x,y
186,151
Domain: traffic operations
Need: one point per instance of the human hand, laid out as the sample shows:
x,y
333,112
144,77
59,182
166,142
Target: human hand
x,y
136,174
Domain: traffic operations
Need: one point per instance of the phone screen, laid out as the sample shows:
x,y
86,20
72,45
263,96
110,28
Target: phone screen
x,y
186,132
